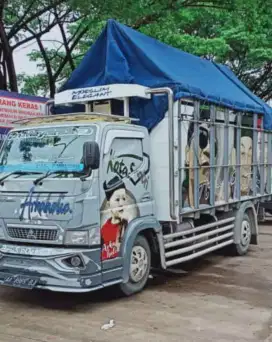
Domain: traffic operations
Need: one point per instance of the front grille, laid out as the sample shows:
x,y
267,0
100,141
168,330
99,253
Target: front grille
x,y
32,233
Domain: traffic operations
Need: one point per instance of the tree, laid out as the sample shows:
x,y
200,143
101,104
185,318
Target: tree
x,y
82,35
237,33
240,38
22,21
6,59
59,62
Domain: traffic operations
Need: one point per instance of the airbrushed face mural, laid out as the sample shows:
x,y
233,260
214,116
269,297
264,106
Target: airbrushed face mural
x,y
203,158
122,208
126,181
246,157
202,154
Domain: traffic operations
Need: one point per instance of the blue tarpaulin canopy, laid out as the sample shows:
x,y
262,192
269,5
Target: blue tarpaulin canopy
x,y
123,55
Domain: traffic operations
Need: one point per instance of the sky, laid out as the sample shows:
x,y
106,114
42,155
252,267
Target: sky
x,y
21,60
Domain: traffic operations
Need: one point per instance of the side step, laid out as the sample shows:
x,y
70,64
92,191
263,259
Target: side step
x,y
193,243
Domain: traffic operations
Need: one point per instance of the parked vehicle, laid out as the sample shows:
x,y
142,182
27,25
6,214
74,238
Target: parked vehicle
x,y
95,199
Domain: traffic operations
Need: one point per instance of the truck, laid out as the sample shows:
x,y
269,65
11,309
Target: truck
x,y
169,162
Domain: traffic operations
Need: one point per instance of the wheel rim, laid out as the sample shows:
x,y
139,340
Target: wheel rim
x,y
245,233
138,264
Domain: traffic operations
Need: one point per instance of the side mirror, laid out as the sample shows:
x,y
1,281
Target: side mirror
x,y
91,155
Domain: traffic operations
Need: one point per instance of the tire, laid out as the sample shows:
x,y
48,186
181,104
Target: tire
x,y
137,280
245,231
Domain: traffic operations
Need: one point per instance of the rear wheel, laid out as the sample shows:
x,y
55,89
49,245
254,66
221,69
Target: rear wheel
x,y
245,232
140,263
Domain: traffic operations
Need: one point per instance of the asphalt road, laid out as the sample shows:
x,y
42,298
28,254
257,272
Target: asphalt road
x,y
219,299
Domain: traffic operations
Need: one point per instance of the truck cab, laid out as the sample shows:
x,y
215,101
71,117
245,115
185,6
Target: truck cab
x,y
71,186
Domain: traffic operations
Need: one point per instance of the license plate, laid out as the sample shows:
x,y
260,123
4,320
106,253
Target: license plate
x,y
21,281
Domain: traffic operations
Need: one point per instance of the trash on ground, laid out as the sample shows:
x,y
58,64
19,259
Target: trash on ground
x,y
109,325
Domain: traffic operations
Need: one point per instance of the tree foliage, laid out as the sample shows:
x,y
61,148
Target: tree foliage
x,y
23,21
235,32
240,37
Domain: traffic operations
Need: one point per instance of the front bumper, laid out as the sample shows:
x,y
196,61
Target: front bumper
x,y
49,267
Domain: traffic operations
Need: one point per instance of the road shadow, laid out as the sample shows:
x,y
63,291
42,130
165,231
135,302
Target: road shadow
x,y
75,302
183,271
207,276
58,301
239,278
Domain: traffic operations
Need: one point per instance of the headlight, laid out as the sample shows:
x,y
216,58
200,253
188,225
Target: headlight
x,y
2,234
75,237
94,235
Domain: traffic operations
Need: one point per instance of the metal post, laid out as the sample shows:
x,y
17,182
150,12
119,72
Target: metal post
x,y
269,161
47,106
126,107
196,153
212,156
262,160
238,158
254,161
88,108
169,93
180,166
226,157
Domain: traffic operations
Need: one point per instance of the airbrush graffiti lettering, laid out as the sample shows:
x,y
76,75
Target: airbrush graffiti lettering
x,y
119,166
125,166
144,178
91,92
36,206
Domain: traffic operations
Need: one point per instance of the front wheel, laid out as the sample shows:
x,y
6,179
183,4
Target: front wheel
x,y
140,263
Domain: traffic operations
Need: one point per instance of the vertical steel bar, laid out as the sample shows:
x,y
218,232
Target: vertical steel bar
x,y
262,160
171,152
170,97
48,105
180,166
226,156
254,152
269,161
88,108
126,107
238,158
212,155
196,154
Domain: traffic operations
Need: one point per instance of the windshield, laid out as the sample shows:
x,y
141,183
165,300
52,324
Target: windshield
x,y
62,146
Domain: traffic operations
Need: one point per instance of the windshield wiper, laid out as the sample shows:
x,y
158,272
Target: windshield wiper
x,y
21,173
49,173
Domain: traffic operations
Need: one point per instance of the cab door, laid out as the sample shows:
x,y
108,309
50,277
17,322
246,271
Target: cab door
x,y
125,192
